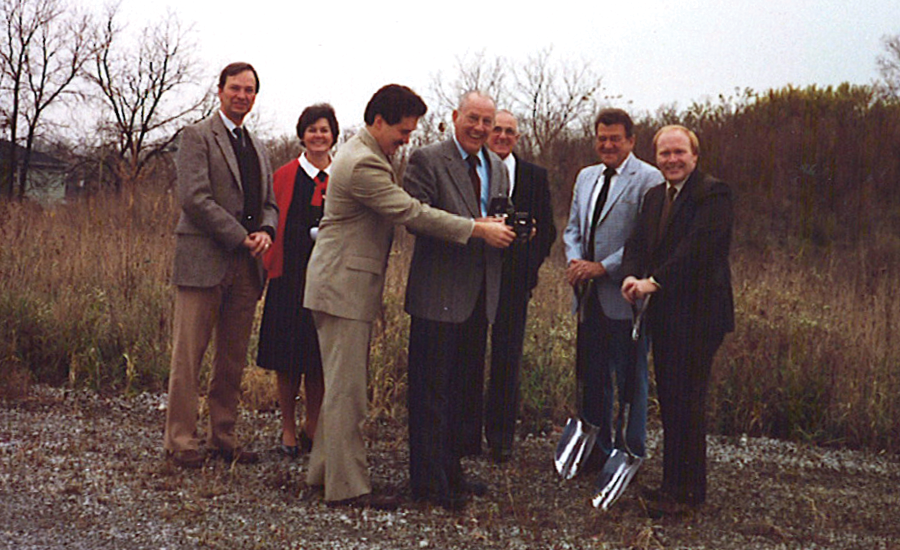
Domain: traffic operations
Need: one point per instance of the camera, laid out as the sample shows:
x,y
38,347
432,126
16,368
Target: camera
x,y
521,222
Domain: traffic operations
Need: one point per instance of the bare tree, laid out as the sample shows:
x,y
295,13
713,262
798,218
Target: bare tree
x,y
551,98
554,97
889,66
473,72
44,49
148,90
555,101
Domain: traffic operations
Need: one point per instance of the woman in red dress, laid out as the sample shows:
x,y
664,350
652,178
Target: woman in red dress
x,y
287,338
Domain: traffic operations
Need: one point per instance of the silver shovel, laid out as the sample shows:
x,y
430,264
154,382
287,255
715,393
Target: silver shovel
x,y
617,473
574,447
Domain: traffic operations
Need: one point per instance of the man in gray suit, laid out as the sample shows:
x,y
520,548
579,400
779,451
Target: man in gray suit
x,y
228,219
605,206
452,294
345,280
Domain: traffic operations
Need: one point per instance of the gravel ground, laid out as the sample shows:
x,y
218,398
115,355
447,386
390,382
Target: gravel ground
x,y
82,471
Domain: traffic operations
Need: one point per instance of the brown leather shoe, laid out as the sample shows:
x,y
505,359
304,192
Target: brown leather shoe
x,y
190,458
237,455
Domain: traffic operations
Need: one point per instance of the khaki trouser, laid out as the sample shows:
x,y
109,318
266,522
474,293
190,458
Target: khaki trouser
x,y
227,308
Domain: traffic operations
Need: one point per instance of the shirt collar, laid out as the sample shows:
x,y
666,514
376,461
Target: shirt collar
x,y
465,155
621,168
510,162
228,123
311,170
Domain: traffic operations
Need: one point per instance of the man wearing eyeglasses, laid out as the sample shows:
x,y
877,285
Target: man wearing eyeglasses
x,y
530,194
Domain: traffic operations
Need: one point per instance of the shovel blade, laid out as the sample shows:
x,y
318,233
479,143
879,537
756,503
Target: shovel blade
x,y
574,446
617,473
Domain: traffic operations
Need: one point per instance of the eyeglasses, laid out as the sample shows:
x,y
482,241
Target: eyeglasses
x,y
510,132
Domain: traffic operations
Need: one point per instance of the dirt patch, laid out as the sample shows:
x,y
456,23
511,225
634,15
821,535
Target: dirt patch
x,y
82,471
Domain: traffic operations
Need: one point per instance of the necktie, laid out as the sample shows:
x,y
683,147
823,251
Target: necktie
x,y
598,208
321,180
239,137
472,161
666,210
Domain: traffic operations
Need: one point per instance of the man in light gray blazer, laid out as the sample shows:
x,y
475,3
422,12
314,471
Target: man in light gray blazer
x,y
605,206
228,219
452,294
345,280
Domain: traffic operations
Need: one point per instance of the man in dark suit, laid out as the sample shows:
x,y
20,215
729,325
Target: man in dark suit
x,y
679,255
451,294
530,195
228,219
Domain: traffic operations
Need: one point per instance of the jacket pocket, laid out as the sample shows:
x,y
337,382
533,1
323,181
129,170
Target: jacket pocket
x,y
362,263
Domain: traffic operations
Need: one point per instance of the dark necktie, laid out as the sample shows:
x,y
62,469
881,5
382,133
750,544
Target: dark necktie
x,y
666,210
321,180
239,137
472,161
598,209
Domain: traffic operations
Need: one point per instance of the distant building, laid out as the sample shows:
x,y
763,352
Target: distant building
x,y
46,174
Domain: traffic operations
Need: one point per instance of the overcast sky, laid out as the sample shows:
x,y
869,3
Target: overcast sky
x,y
649,52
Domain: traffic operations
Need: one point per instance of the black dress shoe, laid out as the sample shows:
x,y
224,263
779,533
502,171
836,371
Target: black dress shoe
x,y
501,455
368,500
453,502
657,509
237,455
289,451
304,442
473,487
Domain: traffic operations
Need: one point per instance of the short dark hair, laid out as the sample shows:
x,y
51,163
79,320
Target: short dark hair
x,y
235,69
393,102
611,116
313,113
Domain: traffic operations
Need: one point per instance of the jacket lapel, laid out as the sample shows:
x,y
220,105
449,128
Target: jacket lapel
x,y
518,178
622,181
224,143
683,196
458,171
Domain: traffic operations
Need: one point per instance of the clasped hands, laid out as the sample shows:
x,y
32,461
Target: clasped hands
x,y
579,271
257,243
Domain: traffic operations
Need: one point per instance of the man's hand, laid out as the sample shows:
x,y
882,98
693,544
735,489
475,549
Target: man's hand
x,y
582,270
494,232
257,243
634,289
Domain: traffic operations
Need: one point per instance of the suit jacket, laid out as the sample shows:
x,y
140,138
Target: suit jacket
x,y
617,220
690,261
531,193
345,276
445,279
211,196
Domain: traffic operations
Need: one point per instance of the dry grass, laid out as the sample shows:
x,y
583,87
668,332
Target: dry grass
x,y
85,299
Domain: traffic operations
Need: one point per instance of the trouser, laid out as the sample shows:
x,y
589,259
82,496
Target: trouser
x,y
446,381
682,379
507,337
338,458
228,309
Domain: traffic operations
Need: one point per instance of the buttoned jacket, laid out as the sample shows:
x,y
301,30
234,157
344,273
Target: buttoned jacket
x,y
445,279
210,192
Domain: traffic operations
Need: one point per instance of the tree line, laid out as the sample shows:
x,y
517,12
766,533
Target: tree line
x,y
140,88
816,162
